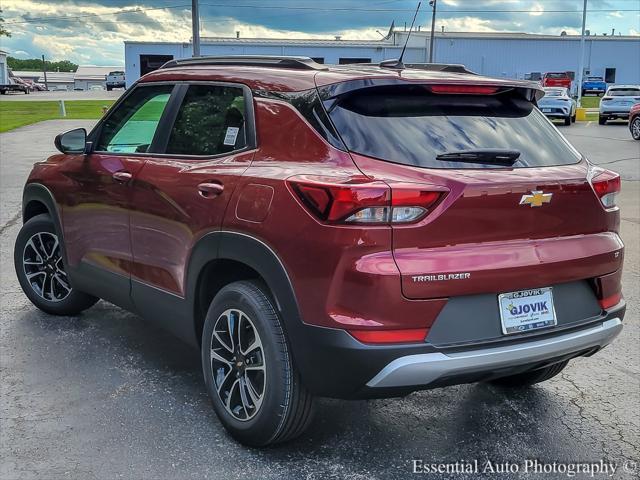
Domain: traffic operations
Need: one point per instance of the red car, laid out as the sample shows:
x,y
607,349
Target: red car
x,y
350,231
556,79
634,121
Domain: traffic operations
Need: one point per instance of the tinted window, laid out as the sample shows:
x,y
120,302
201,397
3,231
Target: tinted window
x,y
411,126
554,92
210,121
557,75
132,125
624,92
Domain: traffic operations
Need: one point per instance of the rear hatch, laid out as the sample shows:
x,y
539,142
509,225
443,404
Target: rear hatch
x,y
505,223
623,97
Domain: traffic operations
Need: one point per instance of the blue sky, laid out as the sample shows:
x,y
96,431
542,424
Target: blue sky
x,y
92,32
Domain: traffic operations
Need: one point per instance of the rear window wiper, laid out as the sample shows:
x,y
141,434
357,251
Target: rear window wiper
x,y
493,156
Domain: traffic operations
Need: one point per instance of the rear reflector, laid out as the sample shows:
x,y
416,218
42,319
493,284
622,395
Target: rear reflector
x,y
610,301
413,335
606,185
464,89
359,201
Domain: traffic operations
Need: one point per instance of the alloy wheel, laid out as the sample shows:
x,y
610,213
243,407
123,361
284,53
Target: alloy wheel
x,y
43,267
635,129
238,364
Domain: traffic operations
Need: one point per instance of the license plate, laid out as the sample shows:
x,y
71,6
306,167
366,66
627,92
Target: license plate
x,y
546,110
526,310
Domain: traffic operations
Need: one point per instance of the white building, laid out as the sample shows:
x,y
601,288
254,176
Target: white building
x,y
4,75
511,55
55,80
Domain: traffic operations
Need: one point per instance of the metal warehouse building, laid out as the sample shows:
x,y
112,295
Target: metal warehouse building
x,y
513,55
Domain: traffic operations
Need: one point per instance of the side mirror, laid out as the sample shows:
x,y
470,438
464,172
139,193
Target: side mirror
x,y
73,141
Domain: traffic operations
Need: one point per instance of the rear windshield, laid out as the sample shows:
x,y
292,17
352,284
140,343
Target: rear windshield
x,y
594,79
411,126
553,93
624,92
557,75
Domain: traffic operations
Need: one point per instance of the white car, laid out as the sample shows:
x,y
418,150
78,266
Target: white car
x,y
617,102
557,103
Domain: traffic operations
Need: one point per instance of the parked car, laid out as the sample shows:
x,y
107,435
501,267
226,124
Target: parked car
x,y
556,79
634,121
557,103
115,80
595,85
617,102
318,230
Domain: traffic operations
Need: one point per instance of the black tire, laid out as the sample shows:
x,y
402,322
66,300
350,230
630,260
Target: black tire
x,y
71,302
634,126
526,379
573,118
286,407
108,88
602,120
567,120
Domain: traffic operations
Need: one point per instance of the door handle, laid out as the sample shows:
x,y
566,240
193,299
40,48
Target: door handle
x,y
210,190
122,177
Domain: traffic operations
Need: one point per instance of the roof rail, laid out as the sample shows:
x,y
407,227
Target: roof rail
x,y
294,63
441,67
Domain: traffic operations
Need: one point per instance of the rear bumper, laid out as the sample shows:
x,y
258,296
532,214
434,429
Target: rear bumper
x,y
333,364
427,368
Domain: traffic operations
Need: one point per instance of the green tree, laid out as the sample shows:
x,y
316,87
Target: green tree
x,y
3,31
35,64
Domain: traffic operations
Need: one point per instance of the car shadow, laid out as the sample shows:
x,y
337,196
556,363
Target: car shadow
x,y
111,360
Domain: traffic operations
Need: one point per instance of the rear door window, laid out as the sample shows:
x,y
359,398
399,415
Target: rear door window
x,y
410,125
211,121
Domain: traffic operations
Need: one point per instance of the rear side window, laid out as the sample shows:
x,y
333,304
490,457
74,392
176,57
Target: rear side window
x,y
411,126
211,121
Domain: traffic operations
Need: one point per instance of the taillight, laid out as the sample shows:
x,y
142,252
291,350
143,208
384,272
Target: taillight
x,y
359,201
607,185
605,99
413,335
464,89
611,301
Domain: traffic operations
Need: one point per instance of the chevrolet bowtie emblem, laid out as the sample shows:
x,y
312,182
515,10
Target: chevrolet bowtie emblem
x,y
536,199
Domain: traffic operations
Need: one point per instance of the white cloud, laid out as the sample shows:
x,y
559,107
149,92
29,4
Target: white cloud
x,y
536,10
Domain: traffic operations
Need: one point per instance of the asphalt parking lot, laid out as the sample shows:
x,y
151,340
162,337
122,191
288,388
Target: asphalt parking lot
x,y
105,395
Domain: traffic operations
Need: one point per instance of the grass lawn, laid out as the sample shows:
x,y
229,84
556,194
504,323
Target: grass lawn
x,y
590,102
18,114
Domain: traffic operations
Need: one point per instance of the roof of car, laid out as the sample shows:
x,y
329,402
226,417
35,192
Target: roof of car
x,y
290,79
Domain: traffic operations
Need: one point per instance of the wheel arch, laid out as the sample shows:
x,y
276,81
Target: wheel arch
x,y
220,258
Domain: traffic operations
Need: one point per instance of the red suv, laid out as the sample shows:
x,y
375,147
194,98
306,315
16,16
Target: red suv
x,y
556,79
350,231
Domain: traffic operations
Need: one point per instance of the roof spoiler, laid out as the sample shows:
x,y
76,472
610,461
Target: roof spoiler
x,y
530,91
293,63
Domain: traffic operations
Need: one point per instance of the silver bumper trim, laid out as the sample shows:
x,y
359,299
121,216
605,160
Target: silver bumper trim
x,y
423,369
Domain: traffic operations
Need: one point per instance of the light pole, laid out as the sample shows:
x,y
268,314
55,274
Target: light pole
x,y
433,26
195,26
44,71
581,60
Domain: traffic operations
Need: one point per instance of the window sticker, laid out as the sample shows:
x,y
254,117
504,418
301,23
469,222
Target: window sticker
x,y
231,136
